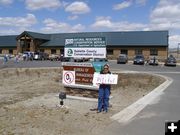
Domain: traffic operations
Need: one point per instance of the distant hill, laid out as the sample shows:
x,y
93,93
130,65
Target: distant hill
x,y
174,50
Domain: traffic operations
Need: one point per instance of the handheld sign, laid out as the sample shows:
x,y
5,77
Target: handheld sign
x,y
105,78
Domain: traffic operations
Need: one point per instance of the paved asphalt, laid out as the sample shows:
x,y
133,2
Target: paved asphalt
x,y
151,120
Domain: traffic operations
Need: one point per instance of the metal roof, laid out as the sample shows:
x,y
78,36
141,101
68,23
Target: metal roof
x,y
132,38
115,39
8,41
35,35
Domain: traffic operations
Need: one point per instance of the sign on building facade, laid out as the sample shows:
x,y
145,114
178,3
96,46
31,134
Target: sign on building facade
x,y
85,47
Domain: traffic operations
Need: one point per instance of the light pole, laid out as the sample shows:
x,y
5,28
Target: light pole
x,y
178,50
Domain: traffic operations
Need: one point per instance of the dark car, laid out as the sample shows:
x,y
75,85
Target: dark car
x,y
67,59
41,56
170,61
28,56
122,59
138,59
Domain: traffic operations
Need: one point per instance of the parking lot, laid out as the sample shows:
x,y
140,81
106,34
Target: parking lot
x,y
113,65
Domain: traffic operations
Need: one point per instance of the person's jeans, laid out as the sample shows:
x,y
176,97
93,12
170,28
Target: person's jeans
x,y
103,99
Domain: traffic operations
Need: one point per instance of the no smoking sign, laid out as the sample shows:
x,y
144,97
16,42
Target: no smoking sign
x,y
68,77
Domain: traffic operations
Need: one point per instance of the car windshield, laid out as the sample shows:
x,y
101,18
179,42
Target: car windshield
x,y
99,60
122,56
171,58
139,57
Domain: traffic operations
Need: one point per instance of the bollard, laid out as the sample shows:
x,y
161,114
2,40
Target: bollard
x,y
62,95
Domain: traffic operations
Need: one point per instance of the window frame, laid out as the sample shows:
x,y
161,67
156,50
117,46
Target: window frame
x,y
55,51
153,52
124,51
138,51
110,52
10,51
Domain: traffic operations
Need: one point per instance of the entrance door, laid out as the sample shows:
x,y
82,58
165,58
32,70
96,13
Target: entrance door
x,y
25,44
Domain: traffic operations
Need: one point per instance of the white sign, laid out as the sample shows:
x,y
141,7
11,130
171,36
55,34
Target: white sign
x,y
75,64
91,42
85,52
68,77
105,78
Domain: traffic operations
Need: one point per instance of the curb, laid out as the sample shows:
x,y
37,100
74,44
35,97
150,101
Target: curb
x,y
82,98
128,113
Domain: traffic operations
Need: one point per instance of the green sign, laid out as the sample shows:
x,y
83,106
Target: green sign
x,y
86,42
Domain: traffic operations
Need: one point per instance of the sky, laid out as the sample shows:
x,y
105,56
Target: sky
x,y
67,16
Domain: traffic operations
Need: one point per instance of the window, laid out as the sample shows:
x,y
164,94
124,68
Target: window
x,y
62,51
109,52
53,51
138,51
41,50
28,45
10,51
0,51
124,51
153,52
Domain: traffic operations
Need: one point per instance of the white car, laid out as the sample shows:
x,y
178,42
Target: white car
x,y
153,61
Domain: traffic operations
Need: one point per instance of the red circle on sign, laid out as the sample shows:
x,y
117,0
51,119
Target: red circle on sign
x,y
68,77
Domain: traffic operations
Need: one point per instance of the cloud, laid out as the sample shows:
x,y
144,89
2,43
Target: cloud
x,y
174,40
106,23
77,8
74,17
166,15
27,21
40,4
53,26
6,2
7,32
122,5
141,2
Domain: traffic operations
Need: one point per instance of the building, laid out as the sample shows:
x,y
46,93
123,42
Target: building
x,y
148,43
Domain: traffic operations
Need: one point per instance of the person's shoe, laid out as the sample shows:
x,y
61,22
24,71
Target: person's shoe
x,y
98,111
105,111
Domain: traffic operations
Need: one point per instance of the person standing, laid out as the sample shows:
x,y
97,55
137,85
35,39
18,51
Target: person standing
x,y
5,59
104,92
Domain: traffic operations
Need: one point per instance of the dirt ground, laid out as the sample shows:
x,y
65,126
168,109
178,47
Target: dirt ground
x,y
29,103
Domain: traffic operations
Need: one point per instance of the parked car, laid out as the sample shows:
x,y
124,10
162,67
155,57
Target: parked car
x,y
41,56
153,61
138,59
54,57
122,59
170,61
78,59
67,59
28,56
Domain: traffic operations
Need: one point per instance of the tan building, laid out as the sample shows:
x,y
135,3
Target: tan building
x,y
148,43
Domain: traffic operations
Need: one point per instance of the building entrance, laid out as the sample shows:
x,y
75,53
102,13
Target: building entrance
x,y
25,45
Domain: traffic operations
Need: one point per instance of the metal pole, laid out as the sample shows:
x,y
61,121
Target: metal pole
x,y
178,50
